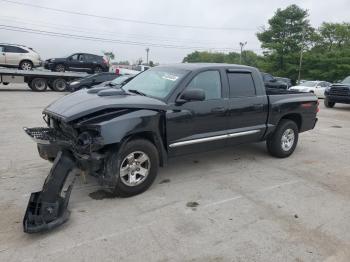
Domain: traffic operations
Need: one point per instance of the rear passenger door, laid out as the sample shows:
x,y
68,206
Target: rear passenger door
x,y
14,55
247,107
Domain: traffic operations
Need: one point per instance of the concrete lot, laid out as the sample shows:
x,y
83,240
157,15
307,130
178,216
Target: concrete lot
x,y
251,207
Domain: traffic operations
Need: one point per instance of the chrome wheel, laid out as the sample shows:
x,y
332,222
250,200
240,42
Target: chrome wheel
x,y
135,168
26,65
287,140
60,68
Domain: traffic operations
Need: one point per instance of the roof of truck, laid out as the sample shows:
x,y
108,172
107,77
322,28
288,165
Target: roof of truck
x,y
196,66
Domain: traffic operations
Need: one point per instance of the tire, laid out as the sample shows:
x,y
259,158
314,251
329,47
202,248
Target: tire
x,y
5,83
284,140
26,65
97,69
59,85
118,162
60,68
328,104
38,84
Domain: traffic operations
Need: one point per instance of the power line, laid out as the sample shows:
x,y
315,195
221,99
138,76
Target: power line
x,y
107,40
99,31
127,20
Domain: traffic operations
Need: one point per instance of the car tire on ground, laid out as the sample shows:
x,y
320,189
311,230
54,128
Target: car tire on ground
x,y
38,84
97,69
328,104
60,68
26,65
5,83
283,141
59,85
136,167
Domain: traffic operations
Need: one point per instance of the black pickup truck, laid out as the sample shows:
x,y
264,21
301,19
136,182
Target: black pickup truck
x,y
122,135
338,93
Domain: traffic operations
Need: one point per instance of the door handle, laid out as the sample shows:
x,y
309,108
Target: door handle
x,y
218,110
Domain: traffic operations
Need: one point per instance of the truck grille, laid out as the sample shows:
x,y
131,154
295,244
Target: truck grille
x,y
45,135
339,91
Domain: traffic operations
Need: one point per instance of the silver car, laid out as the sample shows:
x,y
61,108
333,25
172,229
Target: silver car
x,y
19,56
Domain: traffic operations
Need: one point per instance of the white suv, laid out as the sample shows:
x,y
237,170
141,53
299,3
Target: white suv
x,y
19,56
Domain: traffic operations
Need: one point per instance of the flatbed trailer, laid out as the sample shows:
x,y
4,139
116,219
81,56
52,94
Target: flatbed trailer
x,y
39,80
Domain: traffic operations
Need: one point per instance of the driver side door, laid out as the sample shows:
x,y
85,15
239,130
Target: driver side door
x,y
197,126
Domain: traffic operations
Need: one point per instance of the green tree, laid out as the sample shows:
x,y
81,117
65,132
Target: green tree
x,y
110,55
289,32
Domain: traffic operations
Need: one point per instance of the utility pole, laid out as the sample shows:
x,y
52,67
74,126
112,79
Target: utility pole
x,y
301,55
242,44
147,51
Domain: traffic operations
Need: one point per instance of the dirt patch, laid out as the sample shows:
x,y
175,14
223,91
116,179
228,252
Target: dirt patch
x,y
167,180
101,194
192,204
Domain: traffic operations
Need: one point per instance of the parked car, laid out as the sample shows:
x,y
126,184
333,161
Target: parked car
x,y
80,62
19,56
91,80
123,71
122,136
285,80
271,82
338,93
316,87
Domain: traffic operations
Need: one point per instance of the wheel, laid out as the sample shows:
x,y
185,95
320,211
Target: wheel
x,y
136,167
283,141
97,69
328,104
5,83
59,85
26,65
38,84
60,68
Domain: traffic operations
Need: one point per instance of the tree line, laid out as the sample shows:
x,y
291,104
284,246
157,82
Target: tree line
x,y
290,43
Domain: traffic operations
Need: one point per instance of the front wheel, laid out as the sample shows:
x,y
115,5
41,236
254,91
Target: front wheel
x,y
136,167
283,141
60,68
328,104
97,69
26,65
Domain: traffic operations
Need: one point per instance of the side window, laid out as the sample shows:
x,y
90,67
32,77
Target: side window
x,y
81,57
2,49
268,77
74,57
209,82
14,49
241,85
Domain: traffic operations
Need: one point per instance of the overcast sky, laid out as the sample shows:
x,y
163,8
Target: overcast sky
x,y
245,16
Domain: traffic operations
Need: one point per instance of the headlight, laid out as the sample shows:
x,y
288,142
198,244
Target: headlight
x,y
51,60
84,139
74,83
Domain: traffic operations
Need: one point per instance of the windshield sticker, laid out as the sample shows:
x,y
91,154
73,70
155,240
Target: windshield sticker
x,y
170,77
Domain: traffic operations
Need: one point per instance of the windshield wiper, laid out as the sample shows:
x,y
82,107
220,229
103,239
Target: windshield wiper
x,y
137,92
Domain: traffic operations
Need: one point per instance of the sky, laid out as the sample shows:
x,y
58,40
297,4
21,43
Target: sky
x,y
212,25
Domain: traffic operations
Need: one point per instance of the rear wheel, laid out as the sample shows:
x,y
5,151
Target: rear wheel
x,y
283,141
38,84
328,104
59,85
26,65
60,68
136,167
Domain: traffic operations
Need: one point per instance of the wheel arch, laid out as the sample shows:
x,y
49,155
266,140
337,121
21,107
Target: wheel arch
x,y
295,117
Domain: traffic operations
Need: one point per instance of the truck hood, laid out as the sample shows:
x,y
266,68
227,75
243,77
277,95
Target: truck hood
x,y
83,102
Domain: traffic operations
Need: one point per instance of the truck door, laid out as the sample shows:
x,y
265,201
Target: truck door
x,y
247,108
2,55
197,126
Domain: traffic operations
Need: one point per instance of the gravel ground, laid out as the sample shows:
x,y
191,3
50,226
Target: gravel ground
x,y
235,204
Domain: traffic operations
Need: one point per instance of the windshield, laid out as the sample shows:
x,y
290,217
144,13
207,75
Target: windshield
x,y
120,80
308,83
346,81
156,82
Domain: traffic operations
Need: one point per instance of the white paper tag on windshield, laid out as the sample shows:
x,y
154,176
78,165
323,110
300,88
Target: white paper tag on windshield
x,y
170,77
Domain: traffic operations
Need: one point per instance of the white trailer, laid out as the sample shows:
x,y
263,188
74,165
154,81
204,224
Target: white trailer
x,y
38,80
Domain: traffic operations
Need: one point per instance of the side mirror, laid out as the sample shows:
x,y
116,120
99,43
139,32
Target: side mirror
x,y
191,95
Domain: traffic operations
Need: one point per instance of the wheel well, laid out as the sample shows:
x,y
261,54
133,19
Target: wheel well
x,y
24,60
151,137
295,118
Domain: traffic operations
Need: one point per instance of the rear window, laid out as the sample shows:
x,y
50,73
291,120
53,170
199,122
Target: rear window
x,y
241,84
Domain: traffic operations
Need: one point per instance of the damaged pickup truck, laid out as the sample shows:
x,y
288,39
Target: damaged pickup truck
x,y
122,135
